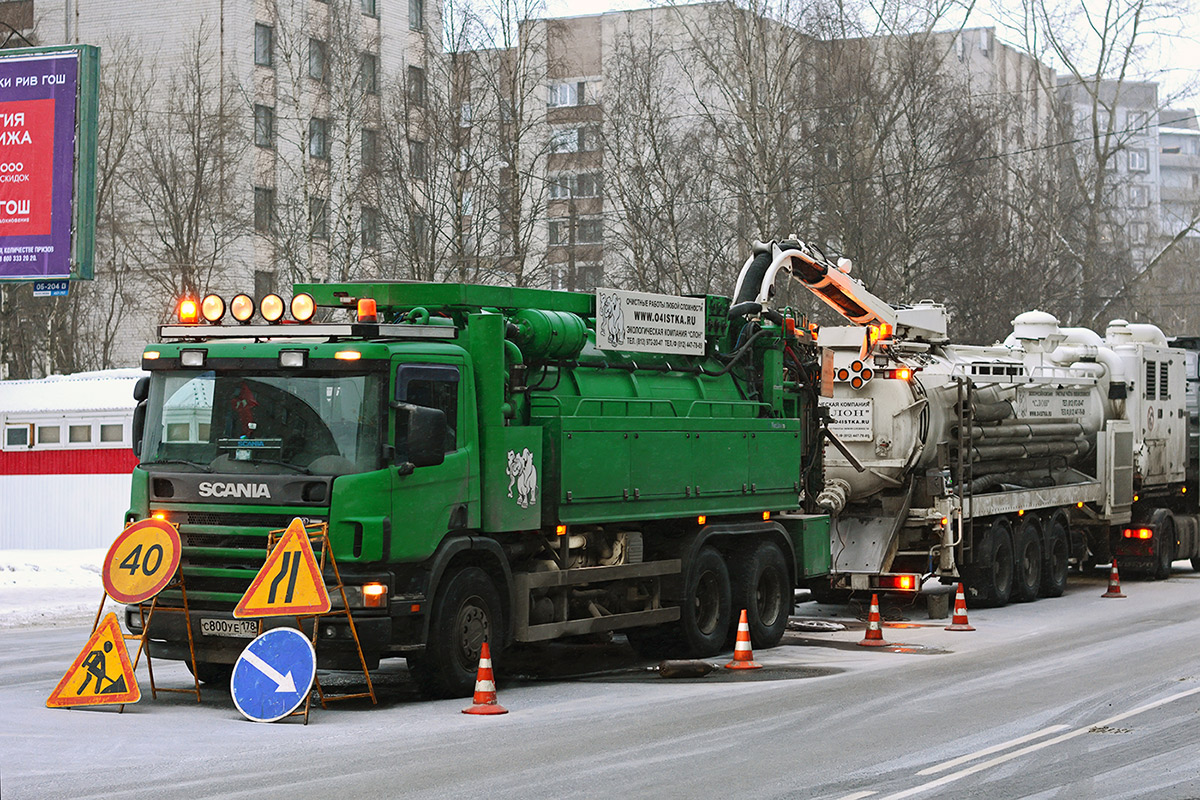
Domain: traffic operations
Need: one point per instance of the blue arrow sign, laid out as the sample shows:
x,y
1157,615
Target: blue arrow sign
x,y
273,675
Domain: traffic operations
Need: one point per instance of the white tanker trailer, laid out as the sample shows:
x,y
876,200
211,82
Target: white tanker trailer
x,y
1000,465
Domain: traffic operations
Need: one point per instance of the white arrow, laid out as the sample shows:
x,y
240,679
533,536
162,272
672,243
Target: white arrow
x,y
283,683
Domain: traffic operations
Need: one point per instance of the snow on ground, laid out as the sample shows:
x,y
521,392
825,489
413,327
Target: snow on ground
x,y
50,587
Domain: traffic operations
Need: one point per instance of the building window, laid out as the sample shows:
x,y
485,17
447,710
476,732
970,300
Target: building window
x,y
1137,121
416,158
587,184
264,282
264,45
560,186
464,115
417,232
416,86
589,230
264,210
583,184
1139,195
416,14
370,8
370,227
369,73
566,94
1139,160
575,140
112,433
1139,232
318,217
468,204
264,126
318,137
79,434
49,434
316,59
370,148
16,437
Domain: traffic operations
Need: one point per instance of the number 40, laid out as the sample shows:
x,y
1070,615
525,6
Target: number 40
x,y
135,560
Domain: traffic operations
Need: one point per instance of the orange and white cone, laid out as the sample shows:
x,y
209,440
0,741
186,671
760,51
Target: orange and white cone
x,y
485,688
874,637
743,656
959,621
1114,582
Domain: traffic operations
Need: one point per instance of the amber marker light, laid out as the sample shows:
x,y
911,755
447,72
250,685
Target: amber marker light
x,y
303,307
347,355
905,582
151,355
1079,505
904,374
242,307
367,311
271,308
159,515
560,530
212,308
189,311
766,515
701,520
374,595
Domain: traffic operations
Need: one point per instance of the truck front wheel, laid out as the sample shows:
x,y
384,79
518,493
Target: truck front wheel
x,y
761,587
466,613
705,616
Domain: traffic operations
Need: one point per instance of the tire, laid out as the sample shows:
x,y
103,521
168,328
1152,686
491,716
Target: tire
x,y
1165,545
761,586
1195,563
1027,561
990,579
466,613
704,615
1055,561
210,672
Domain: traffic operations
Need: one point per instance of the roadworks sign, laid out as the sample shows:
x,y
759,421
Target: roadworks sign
x,y
289,583
102,673
142,561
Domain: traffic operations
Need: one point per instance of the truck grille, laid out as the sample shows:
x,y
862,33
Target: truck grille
x,y
222,552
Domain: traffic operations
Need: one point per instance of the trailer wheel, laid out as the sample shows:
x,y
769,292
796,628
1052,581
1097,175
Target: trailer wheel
x,y
705,616
1027,562
990,579
1165,541
762,587
1055,563
466,613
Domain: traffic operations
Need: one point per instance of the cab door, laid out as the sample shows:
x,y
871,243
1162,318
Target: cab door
x,y
433,500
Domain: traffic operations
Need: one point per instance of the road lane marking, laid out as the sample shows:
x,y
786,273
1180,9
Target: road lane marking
x,y
987,751
856,796
1035,747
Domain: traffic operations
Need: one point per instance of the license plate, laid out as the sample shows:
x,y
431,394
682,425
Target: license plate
x,y
240,628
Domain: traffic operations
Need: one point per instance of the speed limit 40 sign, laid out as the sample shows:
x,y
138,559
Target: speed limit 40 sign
x,y
142,561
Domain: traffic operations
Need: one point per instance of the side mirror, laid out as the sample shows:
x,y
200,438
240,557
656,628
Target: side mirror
x,y
420,435
141,389
139,427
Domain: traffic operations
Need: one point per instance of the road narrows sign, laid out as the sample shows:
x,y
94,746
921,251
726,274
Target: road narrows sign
x,y
273,675
290,581
101,674
142,561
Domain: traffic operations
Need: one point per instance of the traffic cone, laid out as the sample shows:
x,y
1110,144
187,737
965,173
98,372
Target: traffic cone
x,y
743,656
485,688
874,637
959,621
1114,582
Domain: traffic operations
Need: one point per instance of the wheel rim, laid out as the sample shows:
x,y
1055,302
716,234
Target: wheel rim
x,y
767,597
708,606
474,628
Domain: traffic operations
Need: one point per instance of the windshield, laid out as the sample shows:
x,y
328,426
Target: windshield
x,y
242,422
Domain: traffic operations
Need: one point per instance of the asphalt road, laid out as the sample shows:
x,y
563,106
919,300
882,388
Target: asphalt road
x,y
1076,697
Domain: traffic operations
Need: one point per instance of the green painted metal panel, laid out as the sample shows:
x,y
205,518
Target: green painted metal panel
x,y
810,538
513,478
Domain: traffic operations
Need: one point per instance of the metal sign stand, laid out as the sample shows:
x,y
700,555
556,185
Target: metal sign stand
x,y
321,537
143,637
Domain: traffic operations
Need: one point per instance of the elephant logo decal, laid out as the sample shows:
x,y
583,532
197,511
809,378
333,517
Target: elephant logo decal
x,y
523,475
612,320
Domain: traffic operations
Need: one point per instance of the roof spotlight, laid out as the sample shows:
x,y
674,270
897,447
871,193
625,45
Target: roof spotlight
x,y
242,307
303,307
271,308
212,308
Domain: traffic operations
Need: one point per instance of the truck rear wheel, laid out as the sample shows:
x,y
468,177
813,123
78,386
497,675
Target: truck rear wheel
x,y
761,586
1054,565
704,615
990,578
1027,562
466,613
1164,543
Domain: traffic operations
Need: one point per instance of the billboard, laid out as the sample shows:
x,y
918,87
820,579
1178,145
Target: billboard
x,y
47,162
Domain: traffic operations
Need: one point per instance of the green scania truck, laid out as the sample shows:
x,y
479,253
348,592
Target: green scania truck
x,y
500,464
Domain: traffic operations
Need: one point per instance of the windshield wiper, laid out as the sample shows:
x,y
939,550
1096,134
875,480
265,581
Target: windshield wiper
x,y
196,464
297,467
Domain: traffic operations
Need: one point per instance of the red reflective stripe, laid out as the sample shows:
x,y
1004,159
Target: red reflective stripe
x,y
91,461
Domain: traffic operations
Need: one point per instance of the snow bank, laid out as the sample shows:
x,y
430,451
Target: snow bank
x,y
50,587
